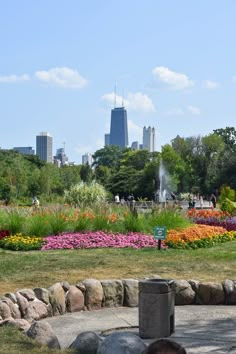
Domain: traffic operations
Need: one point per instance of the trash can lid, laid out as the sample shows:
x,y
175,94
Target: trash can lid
x,y
157,286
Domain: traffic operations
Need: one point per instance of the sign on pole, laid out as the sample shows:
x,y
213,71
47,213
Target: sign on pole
x,y
159,234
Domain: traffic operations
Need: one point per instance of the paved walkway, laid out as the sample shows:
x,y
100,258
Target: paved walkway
x,y
201,329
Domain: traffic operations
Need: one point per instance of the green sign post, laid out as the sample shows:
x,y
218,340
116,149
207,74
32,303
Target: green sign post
x,y
159,234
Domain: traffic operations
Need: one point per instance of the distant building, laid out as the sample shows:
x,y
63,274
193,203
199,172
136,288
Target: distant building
x,y
61,156
87,159
26,150
135,145
119,128
149,139
44,146
107,139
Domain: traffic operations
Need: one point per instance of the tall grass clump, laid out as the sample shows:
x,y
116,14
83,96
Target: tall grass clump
x,y
38,225
58,221
171,218
14,221
133,222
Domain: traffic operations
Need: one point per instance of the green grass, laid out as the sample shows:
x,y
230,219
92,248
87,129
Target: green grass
x,y
14,342
42,269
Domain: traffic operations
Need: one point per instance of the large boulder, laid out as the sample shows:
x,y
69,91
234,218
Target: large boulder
x,y
22,302
42,294
36,311
86,343
184,294
42,332
57,299
27,293
12,297
131,292
65,285
93,294
15,312
5,311
230,291
121,343
19,323
113,293
211,293
74,299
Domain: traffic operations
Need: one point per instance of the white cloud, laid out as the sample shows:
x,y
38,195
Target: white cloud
x,y
99,143
175,80
81,150
174,112
211,84
115,100
135,132
193,110
14,78
62,77
138,101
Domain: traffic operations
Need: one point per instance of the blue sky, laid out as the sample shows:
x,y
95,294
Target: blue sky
x,y
174,63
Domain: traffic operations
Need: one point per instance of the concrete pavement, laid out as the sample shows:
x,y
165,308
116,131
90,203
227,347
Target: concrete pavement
x,y
200,329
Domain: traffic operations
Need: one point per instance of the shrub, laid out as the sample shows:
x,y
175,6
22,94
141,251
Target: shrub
x,y
86,194
229,206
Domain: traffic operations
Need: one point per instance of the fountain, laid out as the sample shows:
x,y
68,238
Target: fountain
x,y
162,189
164,186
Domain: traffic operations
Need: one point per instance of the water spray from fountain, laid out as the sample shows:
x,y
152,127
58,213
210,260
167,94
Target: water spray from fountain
x,y
162,187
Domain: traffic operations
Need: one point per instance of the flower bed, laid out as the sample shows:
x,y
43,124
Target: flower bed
x,y
213,218
4,233
98,240
198,236
195,236
20,242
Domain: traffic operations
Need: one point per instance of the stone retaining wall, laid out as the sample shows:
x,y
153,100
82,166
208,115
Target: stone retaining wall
x,y
92,294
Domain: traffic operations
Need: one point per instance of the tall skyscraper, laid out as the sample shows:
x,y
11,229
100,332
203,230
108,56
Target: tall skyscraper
x,y
149,138
119,128
44,146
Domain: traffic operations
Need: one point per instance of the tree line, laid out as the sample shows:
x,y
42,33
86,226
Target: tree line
x,y
196,164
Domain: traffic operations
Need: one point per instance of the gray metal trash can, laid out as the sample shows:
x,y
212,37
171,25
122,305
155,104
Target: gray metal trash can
x,y
156,308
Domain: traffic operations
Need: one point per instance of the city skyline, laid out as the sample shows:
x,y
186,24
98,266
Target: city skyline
x,y
172,64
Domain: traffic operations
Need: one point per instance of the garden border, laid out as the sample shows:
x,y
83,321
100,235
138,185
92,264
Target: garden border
x,y
92,294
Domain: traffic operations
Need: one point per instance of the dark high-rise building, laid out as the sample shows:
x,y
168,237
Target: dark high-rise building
x,y
25,150
107,139
119,129
44,146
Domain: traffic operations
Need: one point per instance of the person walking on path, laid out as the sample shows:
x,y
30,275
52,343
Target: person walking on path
x,y
213,200
201,202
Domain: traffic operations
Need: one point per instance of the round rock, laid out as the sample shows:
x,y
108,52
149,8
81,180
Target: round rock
x,y
86,343
121,343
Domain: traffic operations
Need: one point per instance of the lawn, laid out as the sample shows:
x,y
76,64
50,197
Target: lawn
x,y
15,342
42,269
